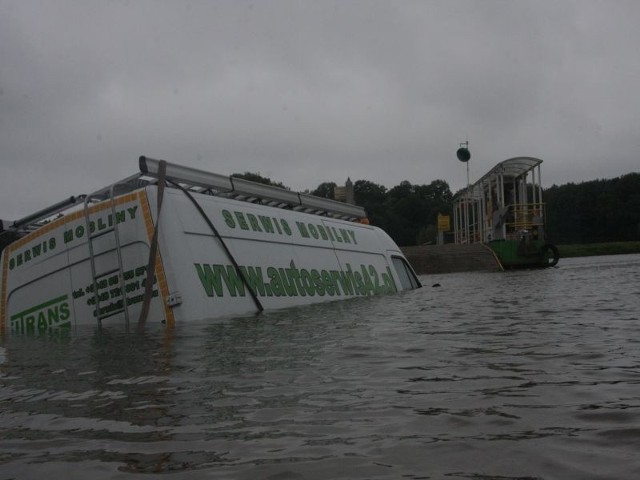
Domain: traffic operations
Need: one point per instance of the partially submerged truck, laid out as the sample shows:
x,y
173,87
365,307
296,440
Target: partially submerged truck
x,y
172,244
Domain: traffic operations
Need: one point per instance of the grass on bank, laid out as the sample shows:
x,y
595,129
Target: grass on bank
x,y
591,249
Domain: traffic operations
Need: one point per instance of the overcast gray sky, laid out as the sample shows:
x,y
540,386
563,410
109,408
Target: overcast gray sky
x,y
312,91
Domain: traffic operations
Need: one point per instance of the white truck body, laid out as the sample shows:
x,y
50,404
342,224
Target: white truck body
x,y
88,266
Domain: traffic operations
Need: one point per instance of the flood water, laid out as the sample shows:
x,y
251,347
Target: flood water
x,y
515,375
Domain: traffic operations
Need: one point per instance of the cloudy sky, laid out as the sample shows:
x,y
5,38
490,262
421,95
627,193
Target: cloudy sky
x,y
312,91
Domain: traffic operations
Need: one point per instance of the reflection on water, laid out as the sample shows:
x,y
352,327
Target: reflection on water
x,y
516,375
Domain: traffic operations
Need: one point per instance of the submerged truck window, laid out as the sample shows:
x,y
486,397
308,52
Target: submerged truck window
x,y
408,280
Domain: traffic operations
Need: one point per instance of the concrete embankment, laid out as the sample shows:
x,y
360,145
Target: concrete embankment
x,y
428,259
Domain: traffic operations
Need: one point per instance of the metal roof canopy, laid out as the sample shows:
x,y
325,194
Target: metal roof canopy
x,y
510,168
513,167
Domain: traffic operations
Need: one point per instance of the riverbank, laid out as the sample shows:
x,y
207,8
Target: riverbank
x,y
594,249
450,258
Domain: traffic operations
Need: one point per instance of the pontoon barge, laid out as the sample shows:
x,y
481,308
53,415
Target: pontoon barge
x,y
505,211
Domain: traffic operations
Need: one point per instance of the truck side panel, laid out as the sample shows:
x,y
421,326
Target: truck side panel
x,y
287,258
47,282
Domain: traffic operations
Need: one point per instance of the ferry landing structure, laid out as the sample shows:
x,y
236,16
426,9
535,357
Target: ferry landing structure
x,y
504,210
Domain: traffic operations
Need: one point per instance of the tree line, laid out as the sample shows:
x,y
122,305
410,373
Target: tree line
x,y
595,211
588,212
407,212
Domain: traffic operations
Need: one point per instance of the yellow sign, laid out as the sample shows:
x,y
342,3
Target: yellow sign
x,y
444,223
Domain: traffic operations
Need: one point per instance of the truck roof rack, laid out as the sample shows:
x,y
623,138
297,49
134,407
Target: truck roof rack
x,y
196,181
240,189
38,219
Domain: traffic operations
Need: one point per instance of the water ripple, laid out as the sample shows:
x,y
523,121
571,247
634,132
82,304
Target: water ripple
x,y
515,375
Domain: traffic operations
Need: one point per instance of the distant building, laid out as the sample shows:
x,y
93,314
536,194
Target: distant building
x,y
345,194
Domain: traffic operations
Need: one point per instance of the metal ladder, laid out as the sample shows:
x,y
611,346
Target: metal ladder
x,y
91,237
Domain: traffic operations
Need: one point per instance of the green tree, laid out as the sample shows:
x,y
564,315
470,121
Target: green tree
x,y
325,190
427,234
371,196
594,211
412,209
257,178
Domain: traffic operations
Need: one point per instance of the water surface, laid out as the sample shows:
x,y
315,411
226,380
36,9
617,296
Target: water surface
x,y
515,375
